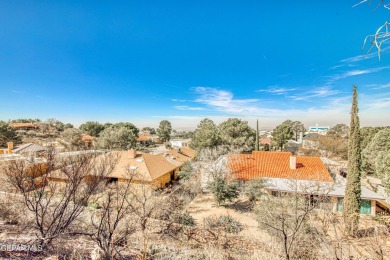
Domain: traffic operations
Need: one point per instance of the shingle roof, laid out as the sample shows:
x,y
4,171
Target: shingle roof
x,y
158,165
29,148
277,165
147,167
188,152
16,125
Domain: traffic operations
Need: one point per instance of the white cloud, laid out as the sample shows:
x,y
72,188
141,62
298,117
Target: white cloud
x,y
361,57
223,100
328,110
188,108
178,100
276,90
352,73
379,86
320,92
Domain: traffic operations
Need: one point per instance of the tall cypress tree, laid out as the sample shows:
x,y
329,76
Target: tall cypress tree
x,y
351,207
257,136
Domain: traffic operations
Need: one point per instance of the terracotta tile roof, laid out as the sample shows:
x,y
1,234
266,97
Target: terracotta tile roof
x,y
87,138
147,137
265,140
277,165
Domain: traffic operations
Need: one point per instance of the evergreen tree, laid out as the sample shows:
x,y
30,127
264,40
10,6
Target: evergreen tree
x,y
206,135
237,134
352,199
257,135
164,131
282,133
92,128
7,134
223,190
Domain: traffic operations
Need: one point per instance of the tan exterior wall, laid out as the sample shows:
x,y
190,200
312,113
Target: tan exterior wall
x,y
160,182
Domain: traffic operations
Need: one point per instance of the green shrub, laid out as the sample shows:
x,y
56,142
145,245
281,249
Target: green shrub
x,y
223,190
185,219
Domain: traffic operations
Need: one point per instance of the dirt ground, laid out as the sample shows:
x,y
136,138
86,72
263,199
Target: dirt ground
x,y
203,206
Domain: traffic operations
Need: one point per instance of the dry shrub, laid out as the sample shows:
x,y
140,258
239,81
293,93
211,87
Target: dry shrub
x,y
11,209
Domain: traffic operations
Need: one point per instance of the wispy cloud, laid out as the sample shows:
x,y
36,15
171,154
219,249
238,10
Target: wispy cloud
x,y
178,100
379,86
15,91
352,73
320,92
188,108
276,90
362,57
336,109
223,100
181,117
380,103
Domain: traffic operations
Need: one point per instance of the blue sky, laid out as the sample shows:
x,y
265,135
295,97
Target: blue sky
x,y
145,61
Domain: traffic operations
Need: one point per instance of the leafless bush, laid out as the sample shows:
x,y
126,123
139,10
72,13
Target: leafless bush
x,y
55,205
114,222
145,205
286,217
11,208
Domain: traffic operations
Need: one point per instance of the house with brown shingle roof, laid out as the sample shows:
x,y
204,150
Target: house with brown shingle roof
x,y
24,126
142,168
146,138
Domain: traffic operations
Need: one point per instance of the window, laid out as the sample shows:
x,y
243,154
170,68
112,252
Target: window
x,y
365,206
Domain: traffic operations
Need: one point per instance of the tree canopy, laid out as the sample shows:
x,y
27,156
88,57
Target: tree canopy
x,y
7,134
282,133
339,131
151,130
380,143
297,127
206,135
92,128
237,134
117,138
127,125
164,130
72,138
352,199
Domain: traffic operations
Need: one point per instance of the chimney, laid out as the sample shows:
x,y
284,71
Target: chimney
x,y
300,140
293,162
10,147
132,154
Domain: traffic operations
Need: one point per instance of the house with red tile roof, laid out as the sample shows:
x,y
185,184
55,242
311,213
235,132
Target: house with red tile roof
x,y
277,165
283,172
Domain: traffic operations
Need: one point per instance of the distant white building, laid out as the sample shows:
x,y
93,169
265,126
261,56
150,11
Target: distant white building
x,y
180,143
322,130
